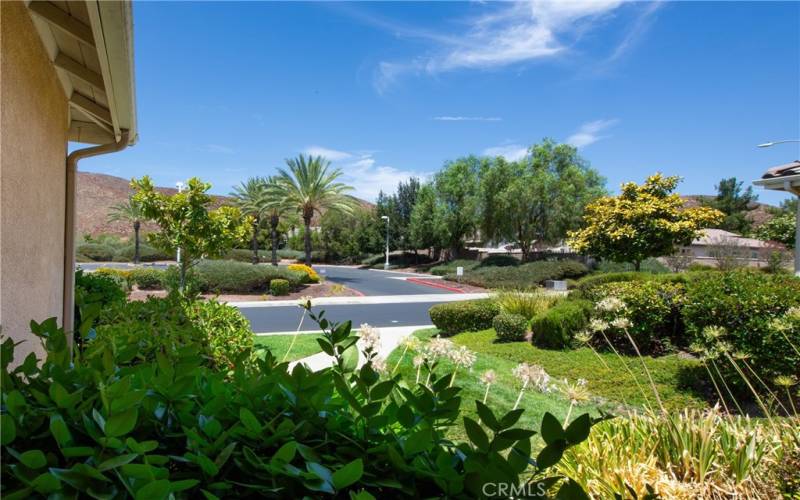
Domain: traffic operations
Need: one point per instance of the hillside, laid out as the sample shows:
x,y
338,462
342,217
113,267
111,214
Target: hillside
x,y
758,214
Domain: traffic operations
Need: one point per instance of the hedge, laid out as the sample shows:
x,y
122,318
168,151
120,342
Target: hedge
x,y
146,254
96,251
555,327
525,276
510,327
500,260
147,279
464,316
226,276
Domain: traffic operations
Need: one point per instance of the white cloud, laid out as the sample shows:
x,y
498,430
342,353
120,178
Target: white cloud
x,y
330,154
467,118
511,152
589,133
216,148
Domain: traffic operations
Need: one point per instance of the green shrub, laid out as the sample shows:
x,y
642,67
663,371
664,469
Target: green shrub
x,y
194,282
500,260
464,316
96,251
289,254
146,254
510,327
241,255
556,327
586,284
405,259
79,257
747,304
650,265
526,304
147,279
522,277
226,329
120,423
100,288
227,276
279,287
696,266
654,310
450,267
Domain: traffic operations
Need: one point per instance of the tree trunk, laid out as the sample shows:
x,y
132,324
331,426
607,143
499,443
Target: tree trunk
x,y
307,238
273,224
637,264
256,223
183,268
136,226
437,254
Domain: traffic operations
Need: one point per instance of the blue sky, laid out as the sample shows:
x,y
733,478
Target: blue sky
x,y
388,90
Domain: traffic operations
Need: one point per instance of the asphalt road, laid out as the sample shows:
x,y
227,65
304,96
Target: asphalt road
x,y
373,282
286,319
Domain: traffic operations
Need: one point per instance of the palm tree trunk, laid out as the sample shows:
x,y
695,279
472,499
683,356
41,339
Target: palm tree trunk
x,y
307,238
273,224
256,223
136,226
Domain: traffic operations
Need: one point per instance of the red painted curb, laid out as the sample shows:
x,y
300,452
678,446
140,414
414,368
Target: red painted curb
x,y
434,285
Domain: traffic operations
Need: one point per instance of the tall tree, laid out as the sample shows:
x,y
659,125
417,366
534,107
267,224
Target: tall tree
x,y
129,211
457,188
250,197
187,223
734,202
310,187
275,207
643,221
427,228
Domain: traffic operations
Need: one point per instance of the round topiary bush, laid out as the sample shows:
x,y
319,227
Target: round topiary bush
x,y
464,316
147,279
279,287
556,327
510,327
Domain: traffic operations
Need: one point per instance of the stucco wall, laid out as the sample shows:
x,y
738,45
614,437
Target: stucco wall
x,y
33,123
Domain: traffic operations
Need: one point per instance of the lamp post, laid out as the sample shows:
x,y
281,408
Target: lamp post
x,y
386,264
772,143
180,185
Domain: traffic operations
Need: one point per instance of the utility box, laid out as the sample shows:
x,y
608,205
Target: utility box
x,y
556,285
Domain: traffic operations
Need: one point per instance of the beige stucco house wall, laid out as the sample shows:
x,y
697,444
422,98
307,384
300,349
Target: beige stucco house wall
x,y
33,148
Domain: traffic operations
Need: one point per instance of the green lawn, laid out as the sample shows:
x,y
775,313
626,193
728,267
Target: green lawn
x,y
608,386
305,345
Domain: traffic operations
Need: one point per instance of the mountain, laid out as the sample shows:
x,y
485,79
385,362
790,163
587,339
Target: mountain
x,y
758,213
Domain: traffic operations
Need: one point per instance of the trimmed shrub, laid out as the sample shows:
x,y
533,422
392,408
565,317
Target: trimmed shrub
x,y
96,251
147,279
241,255
227,276
586,284
555,328
194,283
146,254
226,329
279,287
650,265
450,267
752,307
522,277
289,254
464,316
500,260
311,274
98,287
510,327
122,276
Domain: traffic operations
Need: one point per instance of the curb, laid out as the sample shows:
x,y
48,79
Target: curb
x,y
435,285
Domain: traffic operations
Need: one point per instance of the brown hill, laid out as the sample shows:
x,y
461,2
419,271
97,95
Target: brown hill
x,y
758,213
97,193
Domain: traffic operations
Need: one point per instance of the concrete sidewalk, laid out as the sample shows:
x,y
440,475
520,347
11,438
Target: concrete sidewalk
x,y
375,299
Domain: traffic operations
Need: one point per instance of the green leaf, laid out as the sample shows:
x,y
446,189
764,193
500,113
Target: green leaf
x,y
551,454
579,429
571,490
519,456
382,390
46,483
249,420
476,434
77,451
121,423
511,418
551,429
418,441
155,490
326,346
285,453
59,430
8,430
348,474
487,417
183,485
118,461
33,459
350,360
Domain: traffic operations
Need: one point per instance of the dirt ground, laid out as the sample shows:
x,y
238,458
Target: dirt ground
x,y
312,290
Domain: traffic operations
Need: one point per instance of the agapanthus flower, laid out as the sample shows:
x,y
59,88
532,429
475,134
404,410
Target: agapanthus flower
x,y
785,380
305,302
370,337
714,332
488,377
437,348
462,356
410,342
532,375
379,365
598,325
419,360
622,323
780,325
583,337
577,392
793,313
610,304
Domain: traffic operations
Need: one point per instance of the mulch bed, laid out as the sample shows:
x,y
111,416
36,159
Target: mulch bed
x,y
314,290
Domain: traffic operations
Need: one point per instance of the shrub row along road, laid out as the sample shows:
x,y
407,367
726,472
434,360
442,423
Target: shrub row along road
x,y
373,282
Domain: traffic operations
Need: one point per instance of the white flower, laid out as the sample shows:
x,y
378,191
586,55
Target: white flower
x,y
379,365
622,323
598,325
583,337
461,356
305,302
714,332
611,304
488,377
370,337
780,325
419,360
532,375
793,313
437,348
410,342
576,393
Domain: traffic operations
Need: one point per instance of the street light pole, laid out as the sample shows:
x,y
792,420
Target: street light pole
x,y
772,143
180,185
386,218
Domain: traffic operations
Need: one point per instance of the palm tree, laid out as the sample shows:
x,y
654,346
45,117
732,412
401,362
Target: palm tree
x,y
275,207
131,212
250,197
310,187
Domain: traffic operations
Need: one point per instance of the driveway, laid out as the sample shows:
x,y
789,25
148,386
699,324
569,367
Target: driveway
x,y
374,282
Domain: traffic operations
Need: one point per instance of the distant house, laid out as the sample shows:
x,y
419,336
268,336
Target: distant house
x,y
715,244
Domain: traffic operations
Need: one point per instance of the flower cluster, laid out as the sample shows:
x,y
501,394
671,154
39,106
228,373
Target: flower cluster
x,y
532,375
576,392
462,357
370,337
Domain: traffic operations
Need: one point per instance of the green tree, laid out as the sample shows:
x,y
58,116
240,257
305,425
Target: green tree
x,y
427,228
275,208
457,189
129,211
187,223
250,197
543,198
780,228
310,187
348,236
643,221
734,202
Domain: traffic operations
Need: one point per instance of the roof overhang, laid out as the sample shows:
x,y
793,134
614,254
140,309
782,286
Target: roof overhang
x,y
782,178
90,43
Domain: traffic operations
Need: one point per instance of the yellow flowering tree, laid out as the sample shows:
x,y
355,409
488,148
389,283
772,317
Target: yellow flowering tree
x,y
647,220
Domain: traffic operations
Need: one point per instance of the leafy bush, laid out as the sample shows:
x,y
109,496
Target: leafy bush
x,y
526,304
194,283
226,329
79,257
100,288
500,260
525,276
650,265
121,276
696,266
241,255
96,251
405,259
450,267
226,276
279,287
146,254
289,254
311,274
654,310
752,307
510,327
119,423
147,279
555,327
464,316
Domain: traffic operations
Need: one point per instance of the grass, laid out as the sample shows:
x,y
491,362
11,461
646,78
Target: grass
x,y
305,345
